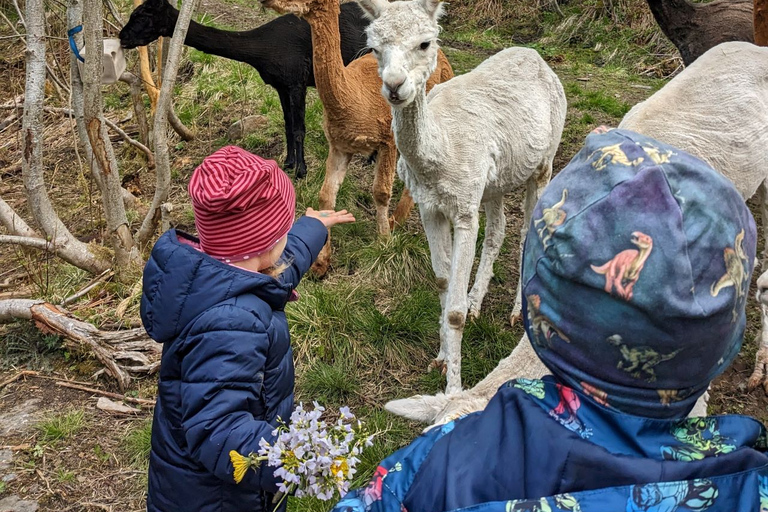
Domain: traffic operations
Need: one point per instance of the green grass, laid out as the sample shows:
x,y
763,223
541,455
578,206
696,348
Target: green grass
x,y
329,383
61,426
137,443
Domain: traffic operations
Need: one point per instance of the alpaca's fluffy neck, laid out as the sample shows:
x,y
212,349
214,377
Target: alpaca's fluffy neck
x,y
326,55
246,46
420,138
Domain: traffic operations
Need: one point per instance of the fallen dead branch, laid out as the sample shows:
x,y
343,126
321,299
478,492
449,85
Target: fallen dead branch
x,y
107,394
123,353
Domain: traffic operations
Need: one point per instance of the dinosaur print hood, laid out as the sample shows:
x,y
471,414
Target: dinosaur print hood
x,y
636,272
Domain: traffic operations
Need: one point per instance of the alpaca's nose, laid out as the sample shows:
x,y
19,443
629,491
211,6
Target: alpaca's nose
x,y
392,87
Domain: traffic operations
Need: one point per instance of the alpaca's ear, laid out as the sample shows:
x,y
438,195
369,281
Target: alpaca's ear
x,y
373,8
424,408
434,8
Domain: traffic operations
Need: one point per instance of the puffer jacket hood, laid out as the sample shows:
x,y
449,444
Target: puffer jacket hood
x,y
199,282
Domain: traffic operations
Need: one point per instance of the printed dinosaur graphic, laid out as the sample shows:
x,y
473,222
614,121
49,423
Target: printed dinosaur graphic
x,y
565,411
562,503
533,387
735,273
762,481
636,360
668,396
597,394
622,272
551,218
656,155
700,438
696,496
541,326
612,154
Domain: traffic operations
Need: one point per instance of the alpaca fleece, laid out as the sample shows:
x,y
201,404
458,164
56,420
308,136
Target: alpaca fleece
x,y
470,142
280,50
356,120
717,110
695,28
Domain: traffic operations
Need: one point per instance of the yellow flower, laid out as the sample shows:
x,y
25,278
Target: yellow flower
x,y
339,468
241,465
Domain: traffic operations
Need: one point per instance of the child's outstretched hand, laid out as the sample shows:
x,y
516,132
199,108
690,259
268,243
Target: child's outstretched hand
x,y
329,217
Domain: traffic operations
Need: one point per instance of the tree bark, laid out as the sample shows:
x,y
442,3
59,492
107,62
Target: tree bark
x,y
32,147
164,105
126,253
121,352
761,22
139,112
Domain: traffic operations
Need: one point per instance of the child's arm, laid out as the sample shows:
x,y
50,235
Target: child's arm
x,y
221,381
306,239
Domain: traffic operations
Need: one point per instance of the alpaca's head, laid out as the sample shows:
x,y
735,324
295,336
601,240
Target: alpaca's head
x,y
150,20
403,37
300,8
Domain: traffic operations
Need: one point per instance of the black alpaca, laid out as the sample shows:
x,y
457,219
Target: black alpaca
x,y
281,51
695,28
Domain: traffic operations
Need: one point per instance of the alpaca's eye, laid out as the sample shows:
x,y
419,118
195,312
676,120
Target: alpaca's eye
x,y
375,51
425,45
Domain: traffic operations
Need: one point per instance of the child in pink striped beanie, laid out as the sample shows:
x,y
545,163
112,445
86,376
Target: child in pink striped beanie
x,y
217,305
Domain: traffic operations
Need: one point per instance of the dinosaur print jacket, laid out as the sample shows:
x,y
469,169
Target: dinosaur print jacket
x,y
540,446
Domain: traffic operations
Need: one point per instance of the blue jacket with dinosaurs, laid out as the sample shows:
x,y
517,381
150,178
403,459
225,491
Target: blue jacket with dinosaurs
x,y
556,449
227,369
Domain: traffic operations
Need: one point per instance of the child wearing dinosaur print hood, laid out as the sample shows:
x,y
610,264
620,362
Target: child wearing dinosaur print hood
x,y
635,276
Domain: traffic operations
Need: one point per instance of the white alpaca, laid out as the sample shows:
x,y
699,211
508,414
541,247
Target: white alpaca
x,y
471,141
717,110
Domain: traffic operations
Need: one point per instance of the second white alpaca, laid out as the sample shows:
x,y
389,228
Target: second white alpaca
x,y
717,110
469,143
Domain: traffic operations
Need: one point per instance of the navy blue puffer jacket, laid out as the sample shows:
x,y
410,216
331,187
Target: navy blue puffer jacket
x,y
227,370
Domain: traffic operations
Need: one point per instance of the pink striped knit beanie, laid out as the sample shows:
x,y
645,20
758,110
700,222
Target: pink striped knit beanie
x,y
243,204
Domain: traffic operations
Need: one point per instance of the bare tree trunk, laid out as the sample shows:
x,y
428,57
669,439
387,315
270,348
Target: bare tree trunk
x,y
32,148
121,352
761,22
139,112
126,253
164,105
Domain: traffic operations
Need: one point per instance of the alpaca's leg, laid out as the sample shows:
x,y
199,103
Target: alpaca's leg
x,y
760,374
403,210
298,106
335,169
534,187
386,162
290,151
438,230
464,240
495,224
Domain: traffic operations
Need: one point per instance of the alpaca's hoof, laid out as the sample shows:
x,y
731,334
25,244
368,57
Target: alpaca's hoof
x,y
514,318
438,364
301,171
474,311
320,268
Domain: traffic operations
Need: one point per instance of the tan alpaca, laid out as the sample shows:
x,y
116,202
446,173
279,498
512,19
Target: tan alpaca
x,y
357,118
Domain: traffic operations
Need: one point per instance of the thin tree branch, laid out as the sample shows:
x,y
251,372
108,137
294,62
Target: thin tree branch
x,y
139,112
13,222
163,169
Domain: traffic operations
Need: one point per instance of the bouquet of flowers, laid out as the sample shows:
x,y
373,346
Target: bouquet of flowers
x,y
313,457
